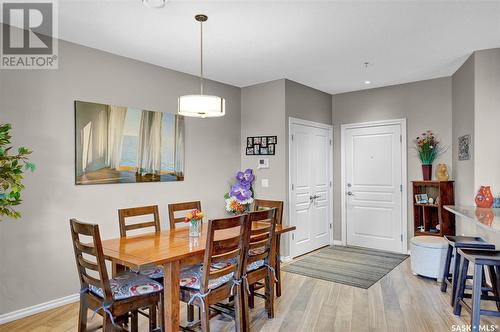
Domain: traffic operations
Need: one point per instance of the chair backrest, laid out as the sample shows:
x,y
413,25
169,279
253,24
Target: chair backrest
x,y
262,245
179,207
123,214
222,247
263,204
89,257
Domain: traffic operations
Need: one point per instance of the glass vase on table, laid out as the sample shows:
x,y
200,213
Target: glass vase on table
x,y
195,228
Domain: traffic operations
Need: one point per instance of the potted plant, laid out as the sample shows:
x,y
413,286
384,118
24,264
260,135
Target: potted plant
x,y
239,199
12,167
428,148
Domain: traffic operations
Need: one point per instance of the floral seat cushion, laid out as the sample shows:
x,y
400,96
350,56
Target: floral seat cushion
x,y
256,251
191,277
152,271
255,265
127,285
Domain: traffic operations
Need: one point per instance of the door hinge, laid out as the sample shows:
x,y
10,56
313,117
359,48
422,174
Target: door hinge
x,y
330,142
292,186
401,187
330,184
401,138
293,236
401,237
330,225
292,137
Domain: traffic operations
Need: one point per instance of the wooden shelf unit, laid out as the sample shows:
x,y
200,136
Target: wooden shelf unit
x,y
430,215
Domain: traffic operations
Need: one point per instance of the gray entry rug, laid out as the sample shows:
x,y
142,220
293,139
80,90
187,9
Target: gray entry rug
x,y
351,266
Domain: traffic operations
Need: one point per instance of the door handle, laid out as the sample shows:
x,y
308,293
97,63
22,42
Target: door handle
x,y
313,197
349,193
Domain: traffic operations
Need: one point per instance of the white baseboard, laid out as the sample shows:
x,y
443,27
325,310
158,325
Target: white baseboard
x,y
37,308
286,259
337,243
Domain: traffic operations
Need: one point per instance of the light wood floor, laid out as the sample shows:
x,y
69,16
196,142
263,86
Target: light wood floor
x,y
398,302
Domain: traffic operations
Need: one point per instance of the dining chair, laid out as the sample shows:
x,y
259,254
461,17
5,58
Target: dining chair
x,y
220,275
111,298
180,207
261,258
124,215
262,204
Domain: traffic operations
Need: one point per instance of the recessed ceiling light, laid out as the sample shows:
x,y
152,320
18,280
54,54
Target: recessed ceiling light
x,y
154,3
368,82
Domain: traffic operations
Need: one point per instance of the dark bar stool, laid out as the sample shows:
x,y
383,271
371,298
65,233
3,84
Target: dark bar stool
x,y
489,259
459,242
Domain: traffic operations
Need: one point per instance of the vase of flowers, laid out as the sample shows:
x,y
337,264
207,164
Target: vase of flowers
x,y
239,199
194,218
428,148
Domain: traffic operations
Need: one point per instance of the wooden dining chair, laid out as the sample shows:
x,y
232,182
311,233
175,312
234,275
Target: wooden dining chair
x,y
220,276
111,298
180,207
261,258
262,204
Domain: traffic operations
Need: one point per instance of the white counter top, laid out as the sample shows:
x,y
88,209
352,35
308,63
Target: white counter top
x,y
488,219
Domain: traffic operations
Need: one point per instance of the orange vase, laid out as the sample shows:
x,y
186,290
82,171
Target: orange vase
x,y
484,197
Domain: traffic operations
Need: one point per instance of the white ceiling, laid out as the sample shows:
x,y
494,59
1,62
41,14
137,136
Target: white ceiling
x,y
322,44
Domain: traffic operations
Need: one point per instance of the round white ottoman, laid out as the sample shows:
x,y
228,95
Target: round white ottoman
x,y
428,255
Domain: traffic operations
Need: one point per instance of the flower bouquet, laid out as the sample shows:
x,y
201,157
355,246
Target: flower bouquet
x,y
194,219
428,148
239,199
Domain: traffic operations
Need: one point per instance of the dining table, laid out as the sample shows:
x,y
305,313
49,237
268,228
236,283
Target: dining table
x,y
172,249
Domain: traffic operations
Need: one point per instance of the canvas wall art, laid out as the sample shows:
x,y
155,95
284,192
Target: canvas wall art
x,y
116,144
464,147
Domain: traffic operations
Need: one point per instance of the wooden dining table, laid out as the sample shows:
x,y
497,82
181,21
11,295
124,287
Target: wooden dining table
x,y
171,249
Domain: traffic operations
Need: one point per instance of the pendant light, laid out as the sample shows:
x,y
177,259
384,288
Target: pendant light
x,y
201,106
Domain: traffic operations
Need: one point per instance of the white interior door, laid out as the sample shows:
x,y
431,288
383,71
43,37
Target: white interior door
x,y
310,198
373,178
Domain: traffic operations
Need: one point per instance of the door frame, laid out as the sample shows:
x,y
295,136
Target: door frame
x,y
404,175
297,121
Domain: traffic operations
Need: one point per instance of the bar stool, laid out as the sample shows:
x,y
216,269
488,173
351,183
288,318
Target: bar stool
x,y
480,258
457,242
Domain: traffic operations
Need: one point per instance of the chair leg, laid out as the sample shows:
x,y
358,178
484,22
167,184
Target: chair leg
x,y
134,321
162,315
277,268
153,320
454,278
190,313
240,310
492,271
462,279
476,298
270,294
205,319
251,296
107,325
82,315
446,271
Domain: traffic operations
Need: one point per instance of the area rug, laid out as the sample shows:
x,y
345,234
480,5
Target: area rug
x,y
351,266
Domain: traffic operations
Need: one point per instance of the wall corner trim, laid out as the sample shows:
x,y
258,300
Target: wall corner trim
x,y
37,308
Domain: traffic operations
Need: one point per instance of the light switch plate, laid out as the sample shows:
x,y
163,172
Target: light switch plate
x,y
263,163
264,183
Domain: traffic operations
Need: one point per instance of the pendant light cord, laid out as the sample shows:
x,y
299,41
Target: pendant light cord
x,y
201,58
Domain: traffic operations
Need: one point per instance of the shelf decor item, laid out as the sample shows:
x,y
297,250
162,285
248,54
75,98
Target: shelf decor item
x,y
442,172
484,197
194,218
428,148
496,202
239,199
12,168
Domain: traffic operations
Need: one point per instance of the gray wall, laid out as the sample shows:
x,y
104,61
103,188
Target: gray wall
x,y
463,124
425,105
265,109
36,255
